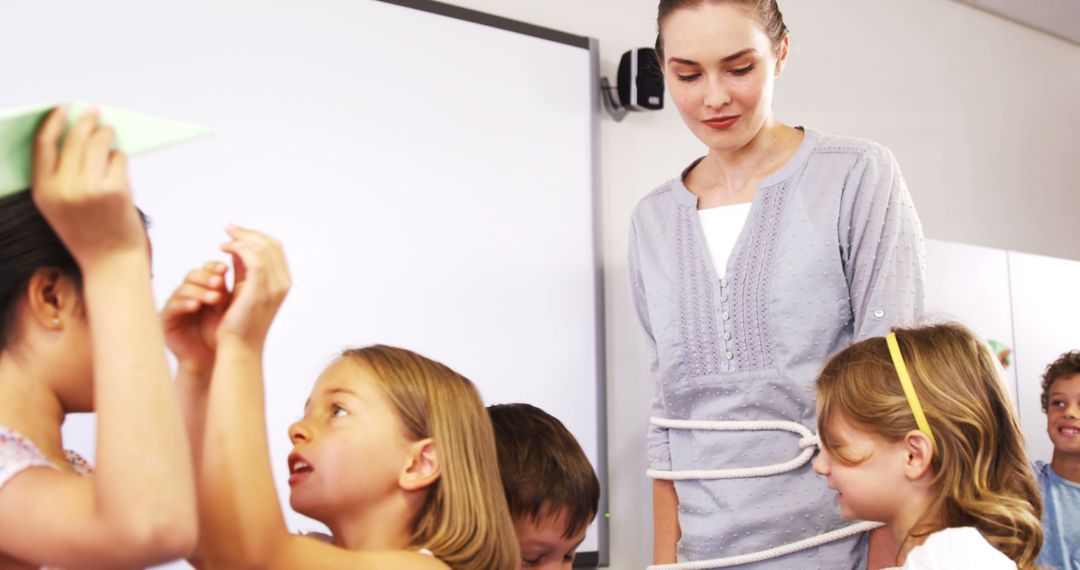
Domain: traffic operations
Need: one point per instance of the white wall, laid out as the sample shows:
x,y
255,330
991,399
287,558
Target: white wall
x,y
972,285
981,113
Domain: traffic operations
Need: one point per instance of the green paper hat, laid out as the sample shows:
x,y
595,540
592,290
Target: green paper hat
x,y
136,133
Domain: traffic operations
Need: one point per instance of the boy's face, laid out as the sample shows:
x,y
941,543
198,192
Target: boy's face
x,y
543,544
1063,415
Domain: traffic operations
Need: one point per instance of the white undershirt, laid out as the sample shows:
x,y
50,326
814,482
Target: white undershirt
x,y
722,226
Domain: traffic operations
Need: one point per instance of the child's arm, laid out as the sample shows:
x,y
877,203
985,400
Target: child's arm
x,y
243,523
190,318
139,508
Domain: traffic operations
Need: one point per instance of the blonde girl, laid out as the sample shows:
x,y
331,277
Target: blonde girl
x,y
79,333
918,432
395,452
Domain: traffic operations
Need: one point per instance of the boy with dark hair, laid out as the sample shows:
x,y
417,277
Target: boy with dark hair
x,y
1060,480
550,485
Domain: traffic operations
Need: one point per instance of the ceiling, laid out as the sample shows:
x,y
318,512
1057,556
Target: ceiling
x,y
1060,18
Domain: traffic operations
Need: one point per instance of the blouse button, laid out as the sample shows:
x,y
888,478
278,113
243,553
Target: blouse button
x,y
879,313
727,336
723,282
730,355
726,315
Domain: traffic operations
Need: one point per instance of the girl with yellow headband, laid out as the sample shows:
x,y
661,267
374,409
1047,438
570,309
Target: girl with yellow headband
x,y
917,432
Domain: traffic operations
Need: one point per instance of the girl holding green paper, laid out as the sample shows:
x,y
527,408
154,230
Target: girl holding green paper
x,y
79,333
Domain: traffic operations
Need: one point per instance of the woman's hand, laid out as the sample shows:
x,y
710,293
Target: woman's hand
x,y
82,190
192,315
261,283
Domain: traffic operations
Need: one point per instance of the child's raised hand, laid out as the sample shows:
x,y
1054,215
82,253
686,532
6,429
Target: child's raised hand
x,y
192,315
261,283
82,189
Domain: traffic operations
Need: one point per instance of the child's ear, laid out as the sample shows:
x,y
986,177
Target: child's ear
x,y
51,297
920,455
422,467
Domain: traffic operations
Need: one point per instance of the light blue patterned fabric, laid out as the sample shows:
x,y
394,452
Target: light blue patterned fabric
x,y
832,252
1061,520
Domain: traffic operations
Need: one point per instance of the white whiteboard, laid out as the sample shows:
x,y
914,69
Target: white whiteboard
x,y
433,180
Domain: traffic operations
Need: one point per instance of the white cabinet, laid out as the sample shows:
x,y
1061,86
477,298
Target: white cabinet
x,y
1027,302
1046,318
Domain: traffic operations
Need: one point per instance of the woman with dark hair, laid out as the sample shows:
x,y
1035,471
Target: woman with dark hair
x,y
779,247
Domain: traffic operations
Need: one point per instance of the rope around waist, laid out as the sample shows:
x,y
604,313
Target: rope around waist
x,y
808,443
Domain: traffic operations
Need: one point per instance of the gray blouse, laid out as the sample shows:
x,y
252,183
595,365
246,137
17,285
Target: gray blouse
x,y
832,252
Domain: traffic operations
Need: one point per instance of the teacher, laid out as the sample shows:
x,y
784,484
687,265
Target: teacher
x,y
779,247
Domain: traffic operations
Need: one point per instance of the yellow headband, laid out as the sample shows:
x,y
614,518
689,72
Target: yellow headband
x,y
909,389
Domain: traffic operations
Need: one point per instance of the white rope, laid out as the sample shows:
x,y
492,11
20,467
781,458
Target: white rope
x,y
808,443
771,553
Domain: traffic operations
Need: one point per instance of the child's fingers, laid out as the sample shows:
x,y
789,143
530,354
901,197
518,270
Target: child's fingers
x,y
263,245
215,272
178,306
200,293
270,250
116,174
272,254
96,158
211,276
215,267
74,145
239,267
47,141
257,263
261,241
246,254
206,283
191,297
239,232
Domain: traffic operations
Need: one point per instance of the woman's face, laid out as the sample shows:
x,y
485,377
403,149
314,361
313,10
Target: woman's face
x,y
720,68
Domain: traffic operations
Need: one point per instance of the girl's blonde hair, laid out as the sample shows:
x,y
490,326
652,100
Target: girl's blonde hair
x,y
465,521
982,476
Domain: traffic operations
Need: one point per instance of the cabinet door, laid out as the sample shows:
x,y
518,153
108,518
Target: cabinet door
x,y
1046,317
